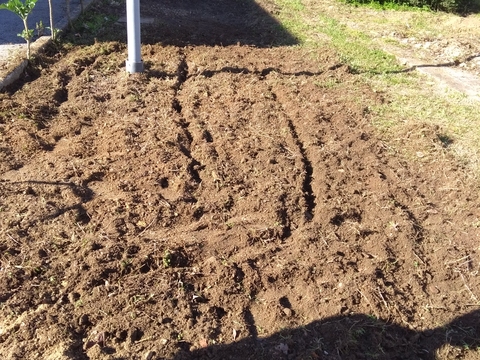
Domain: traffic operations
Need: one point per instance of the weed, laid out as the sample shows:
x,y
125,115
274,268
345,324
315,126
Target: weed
x,y
95,23
125,265
359,332
328,83
39,28
167,259
393,225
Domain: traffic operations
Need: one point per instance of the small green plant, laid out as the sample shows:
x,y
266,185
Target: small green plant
x,y
40,28
22,9
167,259
125,265
358,333
54,32
96,22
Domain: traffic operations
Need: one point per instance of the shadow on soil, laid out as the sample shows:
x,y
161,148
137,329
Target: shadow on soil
x,y
348,337
210,22
149,70
178,23
83,192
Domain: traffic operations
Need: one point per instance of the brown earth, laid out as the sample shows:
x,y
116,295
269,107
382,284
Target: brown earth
x,y
232,202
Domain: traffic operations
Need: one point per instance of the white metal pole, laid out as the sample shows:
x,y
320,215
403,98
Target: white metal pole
x,y
134,62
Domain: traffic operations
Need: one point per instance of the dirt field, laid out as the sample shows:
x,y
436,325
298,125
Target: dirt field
x,y
232,202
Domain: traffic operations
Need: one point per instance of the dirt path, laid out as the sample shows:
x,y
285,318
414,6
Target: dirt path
x,y
448,75
232,202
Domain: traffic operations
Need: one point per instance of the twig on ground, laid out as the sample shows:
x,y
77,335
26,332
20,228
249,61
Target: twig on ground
x,y
468,288
13,239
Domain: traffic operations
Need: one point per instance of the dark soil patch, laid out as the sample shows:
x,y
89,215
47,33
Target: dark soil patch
x,y
229,203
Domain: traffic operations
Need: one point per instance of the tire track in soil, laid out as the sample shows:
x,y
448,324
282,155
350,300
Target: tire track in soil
x,y
232,147
339,179
182,76
308,169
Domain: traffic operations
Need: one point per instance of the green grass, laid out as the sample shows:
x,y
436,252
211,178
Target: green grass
x,y
385,5
452,6
415,99
410,97
291,18
91,26
356,49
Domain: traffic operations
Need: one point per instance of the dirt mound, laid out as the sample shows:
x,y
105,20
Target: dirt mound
x,y
230,202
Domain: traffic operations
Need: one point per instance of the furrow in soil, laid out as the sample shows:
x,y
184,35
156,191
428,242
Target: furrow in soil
x,y
307,182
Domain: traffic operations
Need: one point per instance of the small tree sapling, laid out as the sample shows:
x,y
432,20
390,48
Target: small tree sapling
x,y
53,31
22,9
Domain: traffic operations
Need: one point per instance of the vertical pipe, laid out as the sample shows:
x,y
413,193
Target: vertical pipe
x,y
134,62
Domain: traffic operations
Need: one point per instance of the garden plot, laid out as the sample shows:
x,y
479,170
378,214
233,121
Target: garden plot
x,y
231,202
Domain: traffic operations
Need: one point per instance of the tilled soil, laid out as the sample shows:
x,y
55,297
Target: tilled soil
x,y
232,202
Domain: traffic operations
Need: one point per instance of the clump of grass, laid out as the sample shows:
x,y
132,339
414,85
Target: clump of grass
x,y
94,25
